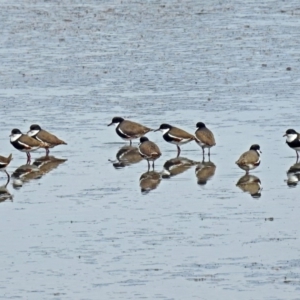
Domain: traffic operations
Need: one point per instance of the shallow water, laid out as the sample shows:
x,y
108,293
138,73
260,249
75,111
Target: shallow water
x,y
82,229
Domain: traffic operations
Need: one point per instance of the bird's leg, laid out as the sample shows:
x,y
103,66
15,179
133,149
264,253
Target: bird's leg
x,y
28,158
47,152
130,142
8,176
208,154
247,172
153,165
178,151
148,165
297,156
8,179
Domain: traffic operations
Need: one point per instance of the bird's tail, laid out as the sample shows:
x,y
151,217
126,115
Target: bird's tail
x,y
9,158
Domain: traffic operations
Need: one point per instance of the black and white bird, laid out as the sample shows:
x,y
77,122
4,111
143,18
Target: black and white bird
x,y
176,136
44,136
25,143
293,140
129,130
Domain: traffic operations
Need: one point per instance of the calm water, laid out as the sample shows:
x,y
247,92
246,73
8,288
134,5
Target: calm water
x,y
80,227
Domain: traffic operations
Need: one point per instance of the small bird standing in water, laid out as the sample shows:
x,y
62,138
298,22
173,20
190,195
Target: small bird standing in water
x,y
129,130
149,151
175,136
204,137
44,136
250,159
293,140
25,143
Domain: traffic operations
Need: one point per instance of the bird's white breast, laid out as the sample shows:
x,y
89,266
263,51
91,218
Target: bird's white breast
x,y
165,130
14,137
291,137
32,132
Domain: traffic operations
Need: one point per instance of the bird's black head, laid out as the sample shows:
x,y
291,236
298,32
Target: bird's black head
x,y
116,120
255,147
143,139
200,125
291,131
164,127
35,127
16,131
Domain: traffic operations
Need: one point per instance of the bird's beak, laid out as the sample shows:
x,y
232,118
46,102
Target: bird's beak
x,y
156,130
260,151
110,124
284,135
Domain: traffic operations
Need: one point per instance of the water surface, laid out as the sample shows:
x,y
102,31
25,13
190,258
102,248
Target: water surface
x,y
82,229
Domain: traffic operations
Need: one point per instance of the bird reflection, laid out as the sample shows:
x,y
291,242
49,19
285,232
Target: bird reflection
x,y
205,171
250,184
4,193
149,181
175,166
293,175
36,170
127,155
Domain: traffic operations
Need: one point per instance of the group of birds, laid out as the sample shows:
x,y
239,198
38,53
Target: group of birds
x,y
35,138
129,130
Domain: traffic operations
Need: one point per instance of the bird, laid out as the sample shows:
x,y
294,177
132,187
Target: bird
x,y
25,143
149,151
44,136
250,159
175,136
4,162
293,140
204,137
129,130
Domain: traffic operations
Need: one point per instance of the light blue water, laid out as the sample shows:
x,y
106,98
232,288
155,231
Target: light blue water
x,y
84,230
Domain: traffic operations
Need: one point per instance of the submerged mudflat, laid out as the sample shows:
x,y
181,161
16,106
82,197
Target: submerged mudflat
x,y
92,223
